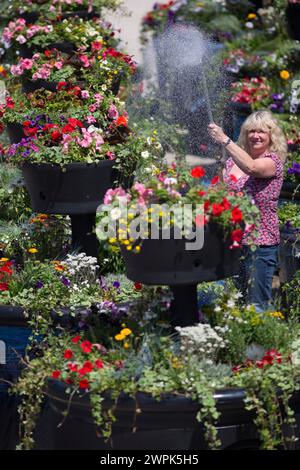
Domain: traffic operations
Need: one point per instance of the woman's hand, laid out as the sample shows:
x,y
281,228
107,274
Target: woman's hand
x,y
216,132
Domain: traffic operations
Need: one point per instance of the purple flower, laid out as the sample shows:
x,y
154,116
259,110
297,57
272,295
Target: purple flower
x,y
39,285
116,284
65,281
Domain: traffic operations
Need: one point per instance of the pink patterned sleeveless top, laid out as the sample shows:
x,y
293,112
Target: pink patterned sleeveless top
x,y
265,193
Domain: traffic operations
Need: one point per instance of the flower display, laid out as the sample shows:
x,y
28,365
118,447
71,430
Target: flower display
x,y
254,91
57,7
235,212
81,33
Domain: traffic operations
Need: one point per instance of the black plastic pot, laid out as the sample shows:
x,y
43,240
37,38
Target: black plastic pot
x,y
29,86
288,249
239,113
290,190
32,17
293,20
14,334
15,132
168,424
168,262
77,189
27,52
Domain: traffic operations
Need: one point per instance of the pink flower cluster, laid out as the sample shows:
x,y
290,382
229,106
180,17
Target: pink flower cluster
x,y
118,193
143,192
19,31
42,72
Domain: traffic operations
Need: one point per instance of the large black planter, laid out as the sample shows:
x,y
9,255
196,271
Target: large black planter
x,y
290,190
289,248
168,424
14,334
79,188
168,262
293,20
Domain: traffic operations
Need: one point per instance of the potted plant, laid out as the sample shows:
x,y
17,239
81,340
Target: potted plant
x,y
121,392
163,257
30,10
66,35
102,67
97,150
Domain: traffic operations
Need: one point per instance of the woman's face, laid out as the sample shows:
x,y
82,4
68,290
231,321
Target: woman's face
x,y
258,141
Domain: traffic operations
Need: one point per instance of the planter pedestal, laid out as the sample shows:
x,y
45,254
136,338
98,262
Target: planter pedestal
x,y
83,234
168,262
77,190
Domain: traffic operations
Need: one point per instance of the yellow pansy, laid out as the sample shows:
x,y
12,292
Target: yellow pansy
x,y
3,260
119,337
284,74
126,345
251,16
32,250
126,331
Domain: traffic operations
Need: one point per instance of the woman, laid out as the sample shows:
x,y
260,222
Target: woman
x,y
255,166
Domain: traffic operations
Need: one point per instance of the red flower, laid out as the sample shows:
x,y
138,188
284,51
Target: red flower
x,y
121,121
197,172
61,85
10,104
76,339
201,193
4,286
138,286
86,346
68,129
73,367
217,209
68,354
75,122
56,374
84,383
214,180
56,135
226,204
206,206
236,215
237,235
47,53
30,131
26,123
99,364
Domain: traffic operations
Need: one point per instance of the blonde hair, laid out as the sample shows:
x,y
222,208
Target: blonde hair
x,y
266,121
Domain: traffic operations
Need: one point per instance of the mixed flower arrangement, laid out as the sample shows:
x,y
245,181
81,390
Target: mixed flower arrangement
x,y
56,7
171,185
80,33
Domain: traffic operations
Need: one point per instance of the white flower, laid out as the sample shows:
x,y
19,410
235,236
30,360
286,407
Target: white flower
x,y
104,87
170,181
149,141
249,25
116,213
145,154
92,129
217,309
